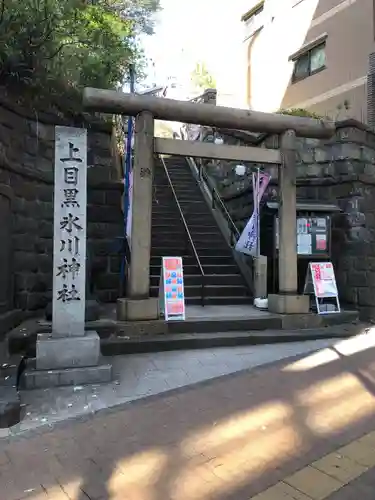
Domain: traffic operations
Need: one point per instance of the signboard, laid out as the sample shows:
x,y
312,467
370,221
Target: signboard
x,y
312,235
171,293
321,281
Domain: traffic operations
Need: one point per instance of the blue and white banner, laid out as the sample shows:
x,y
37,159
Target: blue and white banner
x,y
248,241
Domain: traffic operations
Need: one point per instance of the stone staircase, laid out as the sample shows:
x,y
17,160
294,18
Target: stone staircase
x,y
223,283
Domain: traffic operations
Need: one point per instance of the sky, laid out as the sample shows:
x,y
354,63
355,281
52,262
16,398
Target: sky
x,y
188,31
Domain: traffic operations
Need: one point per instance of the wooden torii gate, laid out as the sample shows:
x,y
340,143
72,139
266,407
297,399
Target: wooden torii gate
x,y
138,305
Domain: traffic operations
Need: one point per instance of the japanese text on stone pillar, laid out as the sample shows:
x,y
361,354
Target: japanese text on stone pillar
x,y
69,227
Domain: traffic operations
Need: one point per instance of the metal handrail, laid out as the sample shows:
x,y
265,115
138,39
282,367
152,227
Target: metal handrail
x,y
202,175
215,195
203,279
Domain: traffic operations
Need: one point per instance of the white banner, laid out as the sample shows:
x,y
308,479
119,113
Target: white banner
x,y
130,208
248,241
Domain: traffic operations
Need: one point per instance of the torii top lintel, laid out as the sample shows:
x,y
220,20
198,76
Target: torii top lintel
x,y
114,102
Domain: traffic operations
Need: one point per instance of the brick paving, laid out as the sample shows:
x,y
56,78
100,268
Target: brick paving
x,y
279,432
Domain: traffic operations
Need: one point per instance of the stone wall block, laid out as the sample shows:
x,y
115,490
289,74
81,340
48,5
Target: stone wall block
x,y
368,154
95,197
356,278
41,131
314,170
45,229
366,296
24,242
348,150
322,154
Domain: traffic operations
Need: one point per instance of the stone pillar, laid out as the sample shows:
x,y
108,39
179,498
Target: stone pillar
x,y
70,354
138,305
287,215
287,301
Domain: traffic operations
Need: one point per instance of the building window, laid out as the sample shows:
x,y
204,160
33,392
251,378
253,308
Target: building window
x,y
310,62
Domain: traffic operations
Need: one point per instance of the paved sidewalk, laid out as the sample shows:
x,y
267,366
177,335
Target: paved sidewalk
x,y
139,375
288,431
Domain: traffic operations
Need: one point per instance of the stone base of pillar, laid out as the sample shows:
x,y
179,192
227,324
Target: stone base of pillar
x,y
62,361
137,310
288,304
67,352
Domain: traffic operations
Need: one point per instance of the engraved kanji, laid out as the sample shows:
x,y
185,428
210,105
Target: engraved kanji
x,y
71,175
72,245
70,195
71,157
70,222
65,268
67,295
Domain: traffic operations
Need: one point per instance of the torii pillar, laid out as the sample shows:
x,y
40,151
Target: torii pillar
x,y
138,305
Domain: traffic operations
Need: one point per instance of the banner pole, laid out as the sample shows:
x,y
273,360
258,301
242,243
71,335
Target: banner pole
x,y
258,212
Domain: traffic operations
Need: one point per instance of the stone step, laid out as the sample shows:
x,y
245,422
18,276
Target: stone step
x,y
212,239
206,260
195,279
180,231
210,291
223,333
193,269
281,328
203,251
203,224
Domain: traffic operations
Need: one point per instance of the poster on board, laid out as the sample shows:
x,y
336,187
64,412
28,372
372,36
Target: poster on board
x,y
171,291
321,281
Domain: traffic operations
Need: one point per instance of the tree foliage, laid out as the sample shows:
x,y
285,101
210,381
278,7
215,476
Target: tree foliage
x,y
201,78
299,112
72,42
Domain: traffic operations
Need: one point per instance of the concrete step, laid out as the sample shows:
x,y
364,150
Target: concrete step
x,y
191,260
207,238
192,269
165,229
210,291
210,279
256,327
179,341
199,241
203,251
192,220
187,206
181,193
212,301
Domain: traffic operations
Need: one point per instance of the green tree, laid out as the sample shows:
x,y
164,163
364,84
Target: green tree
x,y
72,42
163,129
201,78
141,12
